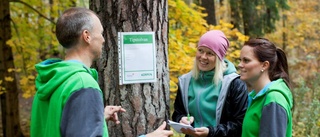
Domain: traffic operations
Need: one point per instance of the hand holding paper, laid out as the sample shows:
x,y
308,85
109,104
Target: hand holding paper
x,y
178,126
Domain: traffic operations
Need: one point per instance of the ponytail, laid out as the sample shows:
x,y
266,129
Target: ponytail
x,y
280,69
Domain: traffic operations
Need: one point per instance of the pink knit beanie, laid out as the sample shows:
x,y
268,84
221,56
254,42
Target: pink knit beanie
x,y
216,41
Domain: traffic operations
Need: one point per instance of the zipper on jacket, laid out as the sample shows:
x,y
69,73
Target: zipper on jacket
x,y
198,99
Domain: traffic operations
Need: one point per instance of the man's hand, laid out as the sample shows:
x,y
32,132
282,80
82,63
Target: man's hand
x,y
110,113
161,132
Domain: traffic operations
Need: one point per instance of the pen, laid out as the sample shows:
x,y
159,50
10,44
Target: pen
x,y
188,118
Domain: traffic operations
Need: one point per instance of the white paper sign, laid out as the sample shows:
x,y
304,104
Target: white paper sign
x,y
137,57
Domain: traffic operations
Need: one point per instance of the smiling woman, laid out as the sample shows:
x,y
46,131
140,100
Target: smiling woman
x,y
211,93
206,59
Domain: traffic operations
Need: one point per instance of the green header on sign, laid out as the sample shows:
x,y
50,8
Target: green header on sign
x,y
137,39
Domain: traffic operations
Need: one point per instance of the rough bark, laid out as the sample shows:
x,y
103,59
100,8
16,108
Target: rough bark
x,y
147,104
9,99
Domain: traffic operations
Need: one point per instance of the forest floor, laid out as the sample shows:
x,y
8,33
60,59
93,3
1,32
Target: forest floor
x,y
25,110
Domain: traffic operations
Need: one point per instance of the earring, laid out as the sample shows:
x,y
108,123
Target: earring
x,y
262,70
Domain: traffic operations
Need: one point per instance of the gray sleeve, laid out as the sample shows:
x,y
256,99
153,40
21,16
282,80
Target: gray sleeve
x,y
274,121
83,114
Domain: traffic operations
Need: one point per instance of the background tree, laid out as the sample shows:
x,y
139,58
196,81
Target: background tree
x,y
302,46
209,6
256,17
8,87
147,104
33,40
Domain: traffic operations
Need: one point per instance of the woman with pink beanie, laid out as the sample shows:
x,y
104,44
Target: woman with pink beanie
x,y
211,93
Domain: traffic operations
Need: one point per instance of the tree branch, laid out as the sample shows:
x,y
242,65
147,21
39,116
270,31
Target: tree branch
x,y
29,6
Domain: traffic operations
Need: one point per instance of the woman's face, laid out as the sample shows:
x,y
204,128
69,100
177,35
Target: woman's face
x,y
206,59
250,67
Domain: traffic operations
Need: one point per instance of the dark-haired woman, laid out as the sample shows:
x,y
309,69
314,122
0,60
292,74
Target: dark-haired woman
x,y
264,68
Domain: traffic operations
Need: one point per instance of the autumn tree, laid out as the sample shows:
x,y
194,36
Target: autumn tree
x,y
187,24
302,45
257,17
8,86
209,6
147,104
33,39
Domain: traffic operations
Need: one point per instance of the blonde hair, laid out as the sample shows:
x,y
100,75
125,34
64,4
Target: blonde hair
x,y
219,69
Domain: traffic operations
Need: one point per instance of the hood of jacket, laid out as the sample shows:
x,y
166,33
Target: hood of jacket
x,y
230,68
281,87
53,72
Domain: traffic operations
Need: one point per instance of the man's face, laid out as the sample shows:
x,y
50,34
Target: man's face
x,y
97,40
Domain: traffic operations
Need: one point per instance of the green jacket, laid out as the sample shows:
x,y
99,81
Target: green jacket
x,y
220,107
269,112
68,101
203,95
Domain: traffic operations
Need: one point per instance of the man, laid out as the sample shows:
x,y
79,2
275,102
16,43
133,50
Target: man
x,y
69,101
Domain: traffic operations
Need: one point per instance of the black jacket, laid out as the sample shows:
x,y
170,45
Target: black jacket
x,y
233,111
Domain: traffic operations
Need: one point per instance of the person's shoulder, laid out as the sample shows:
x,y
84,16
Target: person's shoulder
x,y
84,79
186,75
275,97
278,92
235,79
237,85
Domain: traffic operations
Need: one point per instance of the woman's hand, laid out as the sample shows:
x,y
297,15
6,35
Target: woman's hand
x,y
200,132
184,120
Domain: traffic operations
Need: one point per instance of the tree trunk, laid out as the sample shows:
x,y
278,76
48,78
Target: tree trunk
x,y
210,10
249,18
188,1
235,14
9,99
147,104
284,33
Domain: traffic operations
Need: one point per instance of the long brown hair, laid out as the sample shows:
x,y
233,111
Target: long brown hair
x,y
265,50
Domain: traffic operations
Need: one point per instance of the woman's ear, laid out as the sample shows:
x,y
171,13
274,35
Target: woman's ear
x,y
265,65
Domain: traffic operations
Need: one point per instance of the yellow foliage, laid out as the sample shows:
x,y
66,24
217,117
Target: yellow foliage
x,y
302,43
10,69
186,25
29,92
173,86
14,70
9,79
27,85
33,38
31,77
2,89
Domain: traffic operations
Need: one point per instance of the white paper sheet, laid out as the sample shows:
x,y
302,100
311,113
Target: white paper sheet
x,y
177,126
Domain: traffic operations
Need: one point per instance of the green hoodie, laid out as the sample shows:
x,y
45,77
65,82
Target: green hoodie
x,y
68,101
269,111
203,95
